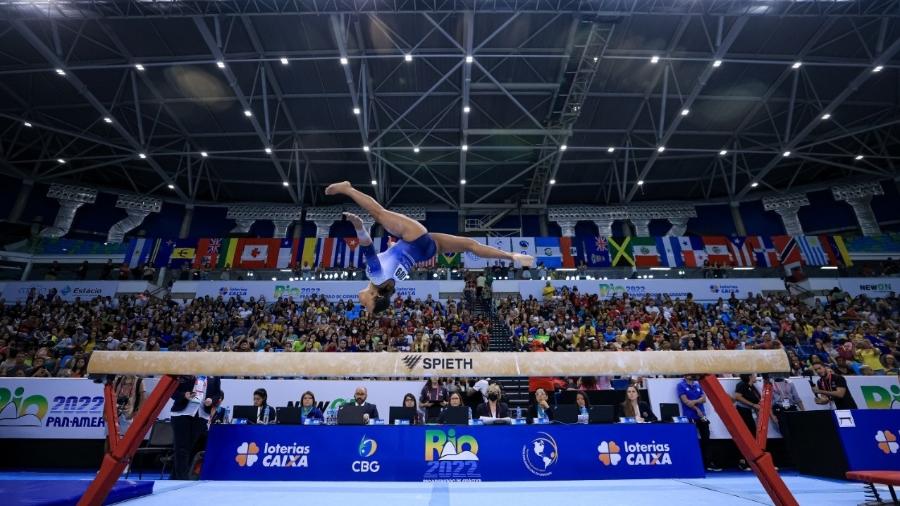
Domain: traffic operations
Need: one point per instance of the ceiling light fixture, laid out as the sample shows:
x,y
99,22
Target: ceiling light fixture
x,y
171,186
467,109
344,60
685,112
285,183
465,147
859,157
61,72
640,182
204,154
462,181
407,57
248,112
563,147
754,184
717,63
655,59
723,152
797,65
366,149
610,149
469,59
786,154
220,64
142,156
374,182
268,150
877,69
284,61
552,181
660,149
356,111
826,116
27,124
415,149
61,161
107,119
139,67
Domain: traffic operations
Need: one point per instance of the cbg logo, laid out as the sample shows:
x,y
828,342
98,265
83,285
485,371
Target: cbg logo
x,y
609,453
887,442
367,448
246,454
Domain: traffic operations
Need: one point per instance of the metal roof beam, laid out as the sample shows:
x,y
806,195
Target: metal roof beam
x,y
468,35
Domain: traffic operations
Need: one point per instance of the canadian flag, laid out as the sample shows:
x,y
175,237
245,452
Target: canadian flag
x,y
258,253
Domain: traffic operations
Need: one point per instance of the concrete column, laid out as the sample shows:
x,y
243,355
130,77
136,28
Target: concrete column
x,y
604,227
323,228
298,229
862,208
567,227
186,221
281,227
242,226
679,226
641,227
737,218
542,225
21,199
626,228
791,220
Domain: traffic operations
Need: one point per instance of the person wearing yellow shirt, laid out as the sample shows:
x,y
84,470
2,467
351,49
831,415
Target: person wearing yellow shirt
x,y
869,356
587,330
645,329
548,292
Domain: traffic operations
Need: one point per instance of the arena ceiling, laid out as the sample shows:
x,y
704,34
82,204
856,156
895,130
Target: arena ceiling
x,y
529,102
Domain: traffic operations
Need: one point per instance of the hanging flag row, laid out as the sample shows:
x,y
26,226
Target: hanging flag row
x,y
551,252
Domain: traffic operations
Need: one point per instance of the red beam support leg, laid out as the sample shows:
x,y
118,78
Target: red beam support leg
x,y
117,458
762,418
760,461
111,414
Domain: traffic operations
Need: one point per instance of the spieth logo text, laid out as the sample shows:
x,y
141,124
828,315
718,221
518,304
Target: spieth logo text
x,y
367,448
274,455
411,361
636,454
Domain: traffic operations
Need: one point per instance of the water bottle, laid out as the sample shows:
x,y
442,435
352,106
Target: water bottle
x,y
265,415
518,411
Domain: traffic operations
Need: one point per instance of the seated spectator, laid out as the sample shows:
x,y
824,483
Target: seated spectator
x,y
308,408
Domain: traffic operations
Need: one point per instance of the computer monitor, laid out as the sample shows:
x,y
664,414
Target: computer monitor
x,y
351,415
668,411
566,413
602,414
456,415
401,413
244,412
288,416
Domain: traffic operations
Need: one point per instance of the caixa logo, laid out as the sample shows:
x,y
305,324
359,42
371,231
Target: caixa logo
x,y
367,448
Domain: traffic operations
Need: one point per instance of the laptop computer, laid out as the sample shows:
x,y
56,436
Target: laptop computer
x,y
401,413
456,415
566,413
668,411
244,412
602,414
288,416
351,415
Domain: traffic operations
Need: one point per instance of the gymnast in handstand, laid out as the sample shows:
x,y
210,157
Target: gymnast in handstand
x,y
416,245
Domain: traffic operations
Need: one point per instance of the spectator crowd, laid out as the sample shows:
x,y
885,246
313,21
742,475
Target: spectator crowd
x,y
47,337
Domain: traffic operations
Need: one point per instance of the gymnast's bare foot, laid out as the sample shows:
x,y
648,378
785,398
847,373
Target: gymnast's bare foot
x,y
524,260
342,187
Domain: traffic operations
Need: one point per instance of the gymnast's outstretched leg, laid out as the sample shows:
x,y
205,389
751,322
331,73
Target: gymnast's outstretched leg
x,y
396,224
454,244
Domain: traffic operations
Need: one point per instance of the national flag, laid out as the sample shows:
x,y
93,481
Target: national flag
x,y
257,253
717,250
693,251
501,243
669,250
764,253
596,251
836,250
308,257
548,252
471,260
451,259
645,254
207,252
620,251
227,250
164,253
287,253
183,252
788,251
811,250
354,255
741,251
138,251
570,253
427,264
325,247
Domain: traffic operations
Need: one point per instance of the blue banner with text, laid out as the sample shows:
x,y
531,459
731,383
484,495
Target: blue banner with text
x,y
870,437
452,453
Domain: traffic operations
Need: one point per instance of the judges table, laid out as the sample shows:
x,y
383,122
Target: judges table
x,y
452,453
830,443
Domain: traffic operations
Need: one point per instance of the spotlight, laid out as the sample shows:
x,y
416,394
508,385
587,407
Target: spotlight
x,y
754,184
469,59
723,152
660,149
374,183
274,279
415,149
204,154
826,116
248,112
107,119
552,181
171,186
356,111
284,61
139,67
61,72
467,109
462,181
27,124
717,63
685,112
640,182
344,60
797,65
786,154
858,158
366,149
142,156
610,149
220,64
285,183
407,57
655,59
877,69
465,147
563,147
62,162
268,150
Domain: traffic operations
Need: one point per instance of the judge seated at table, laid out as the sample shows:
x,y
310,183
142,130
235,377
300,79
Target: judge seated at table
x,y
308,408
634,407
541,408
493,408
455,402
265,414
370,411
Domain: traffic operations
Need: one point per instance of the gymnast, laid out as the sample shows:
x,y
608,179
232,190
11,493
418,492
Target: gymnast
x,y
416,245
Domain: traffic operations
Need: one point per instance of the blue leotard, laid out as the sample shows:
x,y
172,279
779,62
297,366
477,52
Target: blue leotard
x,y
397,261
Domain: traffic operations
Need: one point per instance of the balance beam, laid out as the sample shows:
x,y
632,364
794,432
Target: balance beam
x,y
367,365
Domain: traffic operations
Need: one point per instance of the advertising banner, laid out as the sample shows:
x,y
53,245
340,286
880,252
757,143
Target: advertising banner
x,y
18,291
869,392
703,290
42,408
452,453
874,288
869,438
334,291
